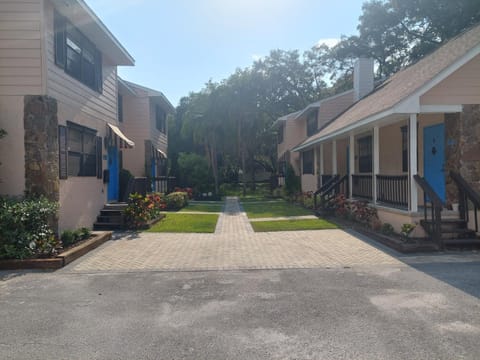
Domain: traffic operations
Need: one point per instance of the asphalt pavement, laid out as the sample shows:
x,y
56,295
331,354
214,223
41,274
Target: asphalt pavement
x,y
427,308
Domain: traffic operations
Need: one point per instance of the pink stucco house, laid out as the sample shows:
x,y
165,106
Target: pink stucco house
x,y
411,145
58,100
143,116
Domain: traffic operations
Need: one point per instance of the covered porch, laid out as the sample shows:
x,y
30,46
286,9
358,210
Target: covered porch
x,y
401,165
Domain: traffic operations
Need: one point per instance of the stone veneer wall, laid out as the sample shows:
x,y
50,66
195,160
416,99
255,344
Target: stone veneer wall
x,y
462,154
41,146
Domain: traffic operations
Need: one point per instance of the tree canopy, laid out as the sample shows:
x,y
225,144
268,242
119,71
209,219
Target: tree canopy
x,y
230,122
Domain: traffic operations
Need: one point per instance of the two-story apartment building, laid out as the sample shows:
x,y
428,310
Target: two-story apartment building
x,y
143,116
295,128
58,104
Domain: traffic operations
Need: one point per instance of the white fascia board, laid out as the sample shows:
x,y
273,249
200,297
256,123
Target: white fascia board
x,y
444,109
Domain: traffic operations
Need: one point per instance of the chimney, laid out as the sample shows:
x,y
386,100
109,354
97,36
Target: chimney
x,y
362,78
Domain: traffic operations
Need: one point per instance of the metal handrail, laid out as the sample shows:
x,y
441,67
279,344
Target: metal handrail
x,y
466,192
437,206
334,186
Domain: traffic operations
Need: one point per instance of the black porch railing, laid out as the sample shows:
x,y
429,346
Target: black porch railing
x,y
164,184
362,186
392,190
335,186
466,195
326,178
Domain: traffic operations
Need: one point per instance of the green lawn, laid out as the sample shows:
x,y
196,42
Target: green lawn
x,y
204,207
292,225
186,223
268,209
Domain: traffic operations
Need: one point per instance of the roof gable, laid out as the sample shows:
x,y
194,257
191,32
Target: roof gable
x,y
401,90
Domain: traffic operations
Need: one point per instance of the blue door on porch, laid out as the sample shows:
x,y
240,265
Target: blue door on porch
x,y
434,158
113,183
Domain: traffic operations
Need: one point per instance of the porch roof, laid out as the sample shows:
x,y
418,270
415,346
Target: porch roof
x,y
400,93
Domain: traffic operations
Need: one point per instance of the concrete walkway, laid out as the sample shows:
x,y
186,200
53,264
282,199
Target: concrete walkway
x,y
233,246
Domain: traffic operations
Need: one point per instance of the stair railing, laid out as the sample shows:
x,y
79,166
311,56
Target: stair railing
x,y
466,194
429,195
323,188
333,189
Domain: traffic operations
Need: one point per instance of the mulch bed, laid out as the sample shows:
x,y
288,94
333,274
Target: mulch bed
x,y
413,245
68,255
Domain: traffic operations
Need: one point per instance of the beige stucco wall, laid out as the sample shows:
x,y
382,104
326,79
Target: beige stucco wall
x,y
12,150
397,218
327,158
390,144
342,145
81,199
293,134
461,87
136,127
309,182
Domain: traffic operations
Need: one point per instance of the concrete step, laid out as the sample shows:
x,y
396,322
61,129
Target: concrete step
x,y
110,219
101,226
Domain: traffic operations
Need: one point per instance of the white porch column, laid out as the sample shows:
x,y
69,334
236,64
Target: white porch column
x,y
321,163
334,157
351,164
412,163
376,162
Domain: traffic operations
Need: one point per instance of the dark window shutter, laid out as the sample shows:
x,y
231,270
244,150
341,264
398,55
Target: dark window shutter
x,y
99,157
59,40
63,152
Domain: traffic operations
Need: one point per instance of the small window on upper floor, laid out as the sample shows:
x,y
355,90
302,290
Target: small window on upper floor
x,y
76,54
312,123
280,131
160,119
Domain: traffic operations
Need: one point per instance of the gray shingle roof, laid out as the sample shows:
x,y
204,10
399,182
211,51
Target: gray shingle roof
x,y
403,83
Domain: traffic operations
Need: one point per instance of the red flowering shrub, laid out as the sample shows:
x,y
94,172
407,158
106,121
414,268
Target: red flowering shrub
x,y
355,210
142,209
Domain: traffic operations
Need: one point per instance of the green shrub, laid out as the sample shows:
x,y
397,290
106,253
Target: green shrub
x,y
176,200
67,237
70,237
387,229
25,228
85,232
194,172
292,182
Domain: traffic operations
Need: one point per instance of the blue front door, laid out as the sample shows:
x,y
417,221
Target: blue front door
x,y
113,183
434,158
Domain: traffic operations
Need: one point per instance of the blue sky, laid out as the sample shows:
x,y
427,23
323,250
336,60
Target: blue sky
x,y
178,45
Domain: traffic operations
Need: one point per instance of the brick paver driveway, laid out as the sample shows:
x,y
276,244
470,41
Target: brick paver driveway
x,y
233,246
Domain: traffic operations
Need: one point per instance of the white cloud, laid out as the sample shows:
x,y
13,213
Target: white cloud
x,y
330,42
257,57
